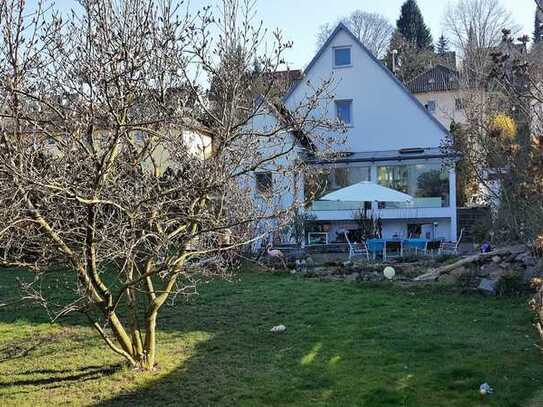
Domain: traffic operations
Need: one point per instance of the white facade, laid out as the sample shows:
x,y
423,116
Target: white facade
x,y
391,138
385,115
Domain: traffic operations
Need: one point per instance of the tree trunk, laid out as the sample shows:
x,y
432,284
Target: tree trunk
x,y
150,341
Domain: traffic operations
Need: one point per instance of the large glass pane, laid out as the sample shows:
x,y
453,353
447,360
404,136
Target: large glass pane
x,y
331,179
427,183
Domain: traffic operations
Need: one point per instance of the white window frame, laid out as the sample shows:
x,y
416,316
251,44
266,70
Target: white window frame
x,y
334,49
428,105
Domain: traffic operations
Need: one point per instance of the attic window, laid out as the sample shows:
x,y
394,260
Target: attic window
x,y
342,57
412,151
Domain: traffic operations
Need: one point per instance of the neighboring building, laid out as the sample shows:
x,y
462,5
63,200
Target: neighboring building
x,y
438,89
538,26
391,140
283,80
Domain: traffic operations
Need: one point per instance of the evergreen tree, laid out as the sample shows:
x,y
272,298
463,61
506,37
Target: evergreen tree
x,y
538,32
442,45
409,61
412,27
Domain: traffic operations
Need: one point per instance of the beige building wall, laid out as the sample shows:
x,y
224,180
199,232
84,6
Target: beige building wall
x,y
446,108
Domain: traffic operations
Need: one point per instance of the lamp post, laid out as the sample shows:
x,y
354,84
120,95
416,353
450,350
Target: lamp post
x,y
394,53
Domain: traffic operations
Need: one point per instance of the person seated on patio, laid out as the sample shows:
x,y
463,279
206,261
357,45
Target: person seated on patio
x,y
486,247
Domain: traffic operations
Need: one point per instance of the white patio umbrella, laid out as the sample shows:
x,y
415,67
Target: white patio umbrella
x,y
367,192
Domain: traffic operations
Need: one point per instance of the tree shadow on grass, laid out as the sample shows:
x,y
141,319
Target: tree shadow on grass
x,y
60,377
345,345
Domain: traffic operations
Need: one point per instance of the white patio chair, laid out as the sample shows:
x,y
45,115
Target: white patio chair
x,y
357,249
451,247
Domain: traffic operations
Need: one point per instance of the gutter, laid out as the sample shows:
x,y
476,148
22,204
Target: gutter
x,y
374,159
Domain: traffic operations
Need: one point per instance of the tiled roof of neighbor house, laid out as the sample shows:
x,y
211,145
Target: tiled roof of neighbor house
x,y
283,80
438,79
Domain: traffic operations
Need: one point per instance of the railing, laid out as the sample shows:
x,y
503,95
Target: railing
x,y
417,203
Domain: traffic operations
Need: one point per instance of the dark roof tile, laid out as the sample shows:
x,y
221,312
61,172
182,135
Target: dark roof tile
x,y
438,79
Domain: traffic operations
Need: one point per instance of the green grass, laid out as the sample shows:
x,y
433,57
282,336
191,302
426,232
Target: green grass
x,y
346,345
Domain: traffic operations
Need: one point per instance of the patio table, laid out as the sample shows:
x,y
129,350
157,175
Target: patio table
x,y
376,245
419,244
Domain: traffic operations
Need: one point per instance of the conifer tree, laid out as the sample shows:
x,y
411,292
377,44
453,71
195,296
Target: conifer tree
x,y
412,27
442,45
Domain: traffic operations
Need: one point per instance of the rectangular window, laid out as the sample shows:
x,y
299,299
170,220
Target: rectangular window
x,y
342,57
264,183
344,111
459,103
431,106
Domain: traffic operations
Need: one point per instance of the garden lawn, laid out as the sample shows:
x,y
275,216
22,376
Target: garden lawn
x,y
345,345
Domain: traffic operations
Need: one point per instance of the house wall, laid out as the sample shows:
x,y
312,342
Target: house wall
x,y
446,111
396,220
385,115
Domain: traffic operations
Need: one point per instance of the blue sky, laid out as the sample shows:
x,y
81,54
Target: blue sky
x,y
299,20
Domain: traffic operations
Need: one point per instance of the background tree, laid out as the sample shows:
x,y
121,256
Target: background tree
x,y
466,182
406,60
116,167
501,143
475,29
412,27
372,29
410,51
442,45
538,26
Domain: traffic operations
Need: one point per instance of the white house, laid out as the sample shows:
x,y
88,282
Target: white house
x,y
391,139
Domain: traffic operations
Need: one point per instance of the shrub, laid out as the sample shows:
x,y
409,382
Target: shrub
x,y
510,283
481,230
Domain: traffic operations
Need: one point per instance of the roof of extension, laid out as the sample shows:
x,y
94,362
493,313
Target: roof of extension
x,y
343,27
405,154
437,79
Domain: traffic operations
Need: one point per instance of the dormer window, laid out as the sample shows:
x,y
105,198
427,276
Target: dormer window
x,y
342,57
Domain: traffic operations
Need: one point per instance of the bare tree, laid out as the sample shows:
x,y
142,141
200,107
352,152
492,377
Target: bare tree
x,y
475,28
502,144
116,165
372,29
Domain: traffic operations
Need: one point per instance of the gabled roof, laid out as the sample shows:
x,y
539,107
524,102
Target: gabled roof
x,y
281,113
343,27
437,79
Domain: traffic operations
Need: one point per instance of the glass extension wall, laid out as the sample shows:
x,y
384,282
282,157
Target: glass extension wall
x,y
427,183
331,179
